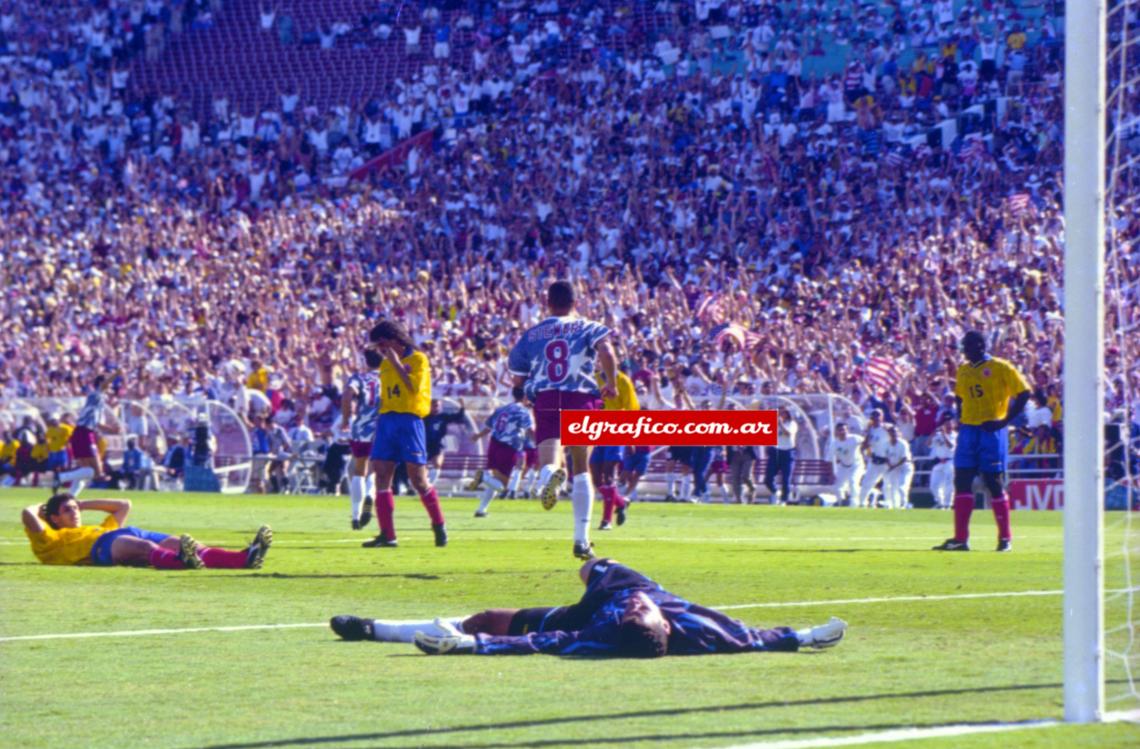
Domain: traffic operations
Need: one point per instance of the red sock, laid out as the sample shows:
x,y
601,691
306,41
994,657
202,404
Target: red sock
x,y
607,493
1001,515
220,559
165,559
431,504
385,506
963,508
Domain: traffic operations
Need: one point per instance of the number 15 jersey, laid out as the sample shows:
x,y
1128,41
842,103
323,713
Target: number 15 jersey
x,y
986,388
558,354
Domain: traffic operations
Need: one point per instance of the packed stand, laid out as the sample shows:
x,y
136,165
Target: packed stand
x,y
694,177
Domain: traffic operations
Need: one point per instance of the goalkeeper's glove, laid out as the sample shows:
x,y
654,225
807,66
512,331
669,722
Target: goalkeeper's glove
x,y
452,643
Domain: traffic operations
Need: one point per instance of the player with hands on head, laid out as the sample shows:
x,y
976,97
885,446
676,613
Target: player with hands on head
x,y
58,536
405,399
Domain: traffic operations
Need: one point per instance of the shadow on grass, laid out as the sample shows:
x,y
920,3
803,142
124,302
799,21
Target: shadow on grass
x,y
426,733
329,576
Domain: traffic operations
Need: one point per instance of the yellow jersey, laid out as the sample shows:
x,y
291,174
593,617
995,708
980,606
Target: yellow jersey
x,y
986,388
8,451
395,397
68,545
40,453
57,437
258,380
626,399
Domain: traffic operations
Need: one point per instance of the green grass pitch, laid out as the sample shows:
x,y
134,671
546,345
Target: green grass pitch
x,y
906,662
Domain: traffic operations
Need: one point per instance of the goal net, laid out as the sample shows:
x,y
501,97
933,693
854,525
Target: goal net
x,y
1122,355
1102,358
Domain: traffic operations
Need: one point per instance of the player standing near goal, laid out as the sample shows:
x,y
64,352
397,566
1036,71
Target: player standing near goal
x,y
555,360
405,399
983,391
360,410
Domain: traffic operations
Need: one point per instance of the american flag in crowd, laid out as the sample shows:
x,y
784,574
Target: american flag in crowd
x,y
745,339
883,373
973,150
711,306
894,158
1019,204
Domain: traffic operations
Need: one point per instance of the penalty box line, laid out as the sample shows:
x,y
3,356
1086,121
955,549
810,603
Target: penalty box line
x,y
730,607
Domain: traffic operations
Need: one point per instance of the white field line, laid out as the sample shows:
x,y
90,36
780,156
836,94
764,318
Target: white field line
x,y
897,734
912,734
771,604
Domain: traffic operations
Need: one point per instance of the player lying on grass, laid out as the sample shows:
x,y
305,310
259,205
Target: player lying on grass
x,y
58,536
622,613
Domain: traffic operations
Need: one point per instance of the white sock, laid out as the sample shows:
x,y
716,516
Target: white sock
x,y
724,494
582,497
77,487
516,477
544,475
370,485
531,480
78,473
433,475
632,496
671,484
356,494
405,630
686,487
493,487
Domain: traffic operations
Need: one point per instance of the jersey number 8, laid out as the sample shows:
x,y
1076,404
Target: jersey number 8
x,y
558,356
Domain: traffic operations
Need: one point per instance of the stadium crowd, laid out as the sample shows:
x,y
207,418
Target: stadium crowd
x,y
741,224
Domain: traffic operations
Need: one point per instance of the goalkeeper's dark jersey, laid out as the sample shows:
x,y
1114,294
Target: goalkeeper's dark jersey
x,y
591,626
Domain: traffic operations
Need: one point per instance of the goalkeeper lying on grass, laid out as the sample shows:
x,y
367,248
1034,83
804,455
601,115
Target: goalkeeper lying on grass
x,y
58,536
623,613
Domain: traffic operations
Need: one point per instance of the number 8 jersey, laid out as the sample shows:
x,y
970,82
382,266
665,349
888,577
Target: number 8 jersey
x,y
558,354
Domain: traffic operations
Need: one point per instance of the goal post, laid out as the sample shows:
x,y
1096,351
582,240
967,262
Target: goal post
x,y
1084,391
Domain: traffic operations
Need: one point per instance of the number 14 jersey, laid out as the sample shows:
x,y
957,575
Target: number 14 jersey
x,y
558,354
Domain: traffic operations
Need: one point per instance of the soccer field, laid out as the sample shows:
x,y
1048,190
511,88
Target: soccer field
x,y
934,640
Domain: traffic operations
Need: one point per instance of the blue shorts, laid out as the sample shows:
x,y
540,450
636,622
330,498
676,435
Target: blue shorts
x,y
101,551
981,450
57,459
400,439
602,454
636,461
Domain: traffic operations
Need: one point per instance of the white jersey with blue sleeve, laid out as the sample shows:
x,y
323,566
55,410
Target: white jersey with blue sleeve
x,y
365,389
92,413
509,424
558,354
